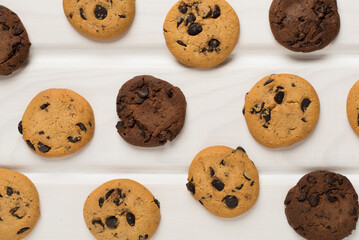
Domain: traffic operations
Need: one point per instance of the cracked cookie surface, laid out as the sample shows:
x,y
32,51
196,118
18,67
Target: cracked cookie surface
x,y
323,205
122,209
14,42
152,111
57,122
224,180
100,19
201,33
353,107
19,205
281,109
304,26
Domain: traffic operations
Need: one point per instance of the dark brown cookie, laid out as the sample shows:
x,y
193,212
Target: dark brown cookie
x,y
323,205
152,111
304,26
14,42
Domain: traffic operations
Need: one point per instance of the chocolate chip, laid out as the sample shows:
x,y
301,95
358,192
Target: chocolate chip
x,y
22,230
278,88
331,180
244,175
230,201
74,139
243,111
257,108
194,29
302,196
19,127
218,184
222,162
143,92
82,126
157,202
181,43
169,93
122,15
214,43
313,200
268,81
101,200
211,172
45,105
130,219
312,180
111,222
340,181
43,148
109,193
319,40
143,237
239,148
293,85
30,145
71,15
304,120
13,212
239,187
5,27
139,101
179,21
182,8
252,183
354,212
266,115
278,98
18,32
200,202
9,191
191,187
305,104
330,197
216,12
82,14
100,12
190,19
98,222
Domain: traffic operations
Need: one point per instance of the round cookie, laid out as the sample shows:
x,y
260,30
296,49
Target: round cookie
x,y
57,122
323,205
281,109
201,33
353,107
122,209
14,42
19,205
225,181
100,19
304,26
152,111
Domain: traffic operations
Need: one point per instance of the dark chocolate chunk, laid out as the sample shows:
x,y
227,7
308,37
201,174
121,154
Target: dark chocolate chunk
x,y
179,21
143,237
194,29
214,43
239,148
231,201
101,200
330,197
71,15
305,104
314,200
266,115
304,120
157,202
257,108
5,27
181,43
130,219
244,175
122,15
143,92
278,98
109,193
331,180
82,14
111,222
22,230
98,222
100,12
340,181
182,8
268,81
43,148
190,19
169,93
18,32
200,202
74,139
216,12
354,212
191,187
218,184
252,183
302,196
211,172
82,126
30,145
41,133
45,105
19,127
222,162
9,191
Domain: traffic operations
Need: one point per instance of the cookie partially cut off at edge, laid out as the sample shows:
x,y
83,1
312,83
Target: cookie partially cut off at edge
x,y
353,107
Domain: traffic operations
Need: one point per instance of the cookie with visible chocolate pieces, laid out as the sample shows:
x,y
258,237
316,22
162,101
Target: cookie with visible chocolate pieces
x,y
19,205
323,205
14,42
224,180
353,107
100,19
304,26
281,109
201,33
152,111
57,122
122,209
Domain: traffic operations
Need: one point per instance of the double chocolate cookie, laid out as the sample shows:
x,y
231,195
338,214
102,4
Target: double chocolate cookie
x,y
57,122
19,205
281,109
100,19
304,26
323,205
122,209
14,42
201,33
152,111
224,180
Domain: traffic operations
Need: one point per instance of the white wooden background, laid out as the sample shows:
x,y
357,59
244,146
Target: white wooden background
x,y
61,57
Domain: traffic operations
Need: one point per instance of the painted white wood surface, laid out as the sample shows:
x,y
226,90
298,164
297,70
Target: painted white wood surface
x,y
61,57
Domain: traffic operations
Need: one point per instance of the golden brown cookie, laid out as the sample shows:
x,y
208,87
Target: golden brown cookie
x,y
19,205
57,122
122,209
201,33
353,107
100,19
281,109
225,181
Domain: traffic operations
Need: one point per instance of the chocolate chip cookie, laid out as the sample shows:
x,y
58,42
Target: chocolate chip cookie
x,y
323,205
225,181
57,122
152,111
281,109
14,42
122,209
353,107
201,33
19,205
100,19
304,26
